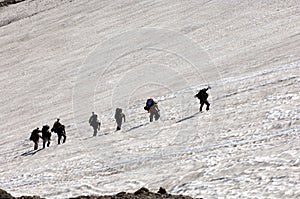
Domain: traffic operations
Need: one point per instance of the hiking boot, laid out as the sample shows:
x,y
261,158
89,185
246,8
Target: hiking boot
x,y
207,107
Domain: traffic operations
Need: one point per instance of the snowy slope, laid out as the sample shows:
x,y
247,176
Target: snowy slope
x,y
68,58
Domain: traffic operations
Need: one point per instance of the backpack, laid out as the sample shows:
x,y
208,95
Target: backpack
x,y
202,95
45,128
150,102
34,135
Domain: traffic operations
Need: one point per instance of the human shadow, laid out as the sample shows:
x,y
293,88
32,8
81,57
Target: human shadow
x,y
136,127
187,118
30,152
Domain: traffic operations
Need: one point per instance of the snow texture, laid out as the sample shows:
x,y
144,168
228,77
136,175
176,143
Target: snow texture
x,y
68,58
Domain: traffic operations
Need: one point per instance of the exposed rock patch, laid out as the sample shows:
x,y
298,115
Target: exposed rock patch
x,y
142,193
9,2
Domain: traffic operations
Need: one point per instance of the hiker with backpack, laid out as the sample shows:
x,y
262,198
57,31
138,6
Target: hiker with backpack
x,y
46,136
152,108
59,129
61,133
95,123
35,136
202,96
119,116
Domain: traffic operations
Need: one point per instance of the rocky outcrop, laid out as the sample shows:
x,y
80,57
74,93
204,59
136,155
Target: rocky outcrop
x,y
9,2
4,194
142,193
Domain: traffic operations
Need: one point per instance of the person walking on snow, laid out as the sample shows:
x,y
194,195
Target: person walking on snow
x,y
119,116
35,136
95,123
153,109
62,134
59,129
46,136
202,96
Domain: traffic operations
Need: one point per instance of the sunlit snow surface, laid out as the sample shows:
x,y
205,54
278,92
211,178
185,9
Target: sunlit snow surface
x,y
68,58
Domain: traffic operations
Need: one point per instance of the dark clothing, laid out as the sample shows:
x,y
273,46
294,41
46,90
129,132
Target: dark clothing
x,y
56,126
119,116
62,133
95,123
202,96
202,103
35,136
150,102
96,128
93,120
59,129
46,136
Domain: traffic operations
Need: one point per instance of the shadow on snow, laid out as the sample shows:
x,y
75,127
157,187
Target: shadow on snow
x,y
187,118
31,152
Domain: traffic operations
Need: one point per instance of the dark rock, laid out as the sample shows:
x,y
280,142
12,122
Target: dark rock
x,y
162,191
121,194
4,194
142,193
142,190
9,2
